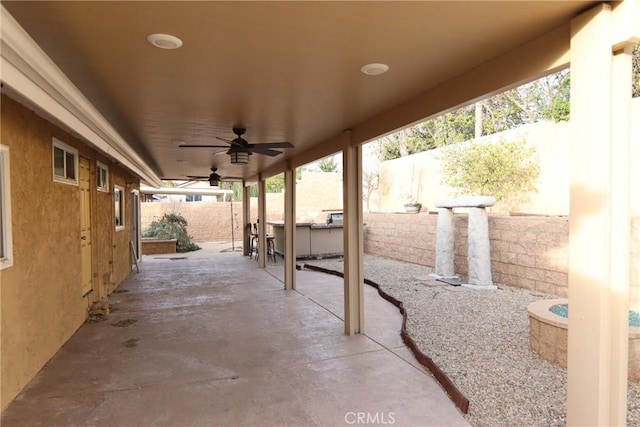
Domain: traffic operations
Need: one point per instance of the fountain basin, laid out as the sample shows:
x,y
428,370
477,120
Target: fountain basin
x,y
549,332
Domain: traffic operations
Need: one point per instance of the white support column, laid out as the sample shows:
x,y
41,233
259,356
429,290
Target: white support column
x,y
246,215
599,219
262,226
290,228
620,225
353,244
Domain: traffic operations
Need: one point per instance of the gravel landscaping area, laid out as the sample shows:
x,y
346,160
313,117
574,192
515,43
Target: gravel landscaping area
x,y
480,339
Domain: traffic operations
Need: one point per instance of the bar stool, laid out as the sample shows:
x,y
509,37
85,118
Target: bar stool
x,y
271,249
253,241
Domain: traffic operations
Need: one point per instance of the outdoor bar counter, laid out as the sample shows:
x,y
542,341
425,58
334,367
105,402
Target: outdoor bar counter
x,y
313,240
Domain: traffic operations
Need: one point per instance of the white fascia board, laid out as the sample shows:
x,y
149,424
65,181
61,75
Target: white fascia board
x,y
29,73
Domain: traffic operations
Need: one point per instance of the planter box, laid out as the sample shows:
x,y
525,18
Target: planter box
x,y
158,246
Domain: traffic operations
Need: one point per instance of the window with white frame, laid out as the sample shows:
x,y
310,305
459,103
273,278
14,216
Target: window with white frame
x,y
6,248
118,203
65,163
102,175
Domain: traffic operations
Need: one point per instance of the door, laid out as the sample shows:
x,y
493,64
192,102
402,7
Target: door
x,y
85,225
135,224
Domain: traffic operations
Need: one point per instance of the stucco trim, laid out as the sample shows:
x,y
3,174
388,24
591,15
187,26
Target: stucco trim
x,y
29,75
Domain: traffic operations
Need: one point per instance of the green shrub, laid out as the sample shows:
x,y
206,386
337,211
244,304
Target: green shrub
x,y
172,226
502,170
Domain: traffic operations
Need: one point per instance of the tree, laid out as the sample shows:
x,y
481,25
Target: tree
x,y
328,164
235,186
275,184
501,170
370,183
543,99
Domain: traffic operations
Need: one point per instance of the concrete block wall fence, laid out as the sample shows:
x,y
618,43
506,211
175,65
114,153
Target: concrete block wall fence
x,y
207,221
529,252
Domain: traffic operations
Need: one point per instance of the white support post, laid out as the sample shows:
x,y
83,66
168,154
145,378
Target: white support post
x,y
290,228
599,219
246,215
353,243
262,226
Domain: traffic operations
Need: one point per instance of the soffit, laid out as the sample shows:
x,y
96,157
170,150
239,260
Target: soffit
x,y
287,71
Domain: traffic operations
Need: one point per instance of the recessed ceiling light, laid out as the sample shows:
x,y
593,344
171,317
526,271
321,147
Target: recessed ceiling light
x,y
164,41
374,69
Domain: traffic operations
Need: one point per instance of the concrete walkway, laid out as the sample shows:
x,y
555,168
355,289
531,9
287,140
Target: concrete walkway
x,y
210,339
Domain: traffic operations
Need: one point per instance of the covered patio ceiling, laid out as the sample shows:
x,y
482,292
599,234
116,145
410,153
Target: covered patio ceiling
x,y
287,71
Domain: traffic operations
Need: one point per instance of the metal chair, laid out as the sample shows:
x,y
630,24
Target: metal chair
x,y
253,240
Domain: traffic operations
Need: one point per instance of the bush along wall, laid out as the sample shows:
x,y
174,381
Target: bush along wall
x,y
172,226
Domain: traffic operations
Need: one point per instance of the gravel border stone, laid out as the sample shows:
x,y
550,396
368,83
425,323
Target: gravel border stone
x,y
480,339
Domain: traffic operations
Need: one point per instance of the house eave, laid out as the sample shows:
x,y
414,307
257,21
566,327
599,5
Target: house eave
x,y
29,75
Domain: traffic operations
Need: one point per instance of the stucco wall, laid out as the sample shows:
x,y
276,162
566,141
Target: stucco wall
x,y
419,175
41,294
206,221
526,251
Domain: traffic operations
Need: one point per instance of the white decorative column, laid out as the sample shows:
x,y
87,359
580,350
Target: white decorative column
x,y
599,252
262,224
246,215
479,248
479,251
445,239
290,228
353,242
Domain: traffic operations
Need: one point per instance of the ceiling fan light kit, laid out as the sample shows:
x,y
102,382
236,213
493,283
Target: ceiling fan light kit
x,y
240,149
239,157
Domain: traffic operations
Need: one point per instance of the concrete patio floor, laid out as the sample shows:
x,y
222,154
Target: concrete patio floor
x,y
210,339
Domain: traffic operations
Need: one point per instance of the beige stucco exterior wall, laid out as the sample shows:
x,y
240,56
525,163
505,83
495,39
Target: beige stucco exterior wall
x,y
41,300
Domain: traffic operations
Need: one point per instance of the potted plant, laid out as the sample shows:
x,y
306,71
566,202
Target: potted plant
x,y
412,206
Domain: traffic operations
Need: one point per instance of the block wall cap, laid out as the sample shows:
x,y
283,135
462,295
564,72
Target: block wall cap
x,y
467,202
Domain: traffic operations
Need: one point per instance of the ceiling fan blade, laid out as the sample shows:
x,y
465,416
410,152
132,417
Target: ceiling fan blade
x,y
264,150
197,178
201,146
272,145
225,140
232,178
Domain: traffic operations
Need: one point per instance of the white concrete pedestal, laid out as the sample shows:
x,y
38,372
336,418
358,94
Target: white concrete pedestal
x,y
479,250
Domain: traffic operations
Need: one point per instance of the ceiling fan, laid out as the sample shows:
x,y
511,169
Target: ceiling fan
x,y
240,149
214,179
